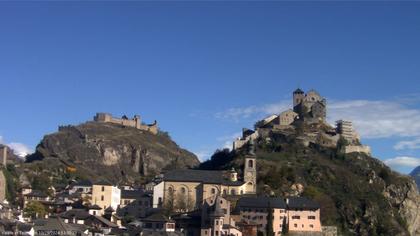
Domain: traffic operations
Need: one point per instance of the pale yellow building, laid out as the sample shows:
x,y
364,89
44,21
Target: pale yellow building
x,y
105,195
303,215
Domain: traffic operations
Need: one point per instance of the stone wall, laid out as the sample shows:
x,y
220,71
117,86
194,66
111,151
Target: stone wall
x,y
353,148
135,122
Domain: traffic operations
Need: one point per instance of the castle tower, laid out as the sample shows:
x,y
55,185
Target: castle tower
x,y
137,120
298,96
3,155
250,170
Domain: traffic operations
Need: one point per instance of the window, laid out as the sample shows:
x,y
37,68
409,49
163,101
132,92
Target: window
x,y
103,188
102,197
205,232
170,189
295,225
213,191
217,233
250,164
303,226
296,217
311,217
183,190
233,192
224,192
311,226
217,222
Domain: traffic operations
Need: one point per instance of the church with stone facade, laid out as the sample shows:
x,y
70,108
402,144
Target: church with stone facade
x,y
190,188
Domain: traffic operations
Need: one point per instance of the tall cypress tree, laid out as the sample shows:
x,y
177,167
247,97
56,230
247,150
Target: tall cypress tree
x,y
269,226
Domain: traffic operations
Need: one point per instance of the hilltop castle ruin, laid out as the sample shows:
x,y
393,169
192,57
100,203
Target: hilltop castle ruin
x,y
311,110
125,121
310,105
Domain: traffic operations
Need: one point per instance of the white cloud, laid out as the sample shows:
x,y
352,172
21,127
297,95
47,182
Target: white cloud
x,y
403,161
377,119
19,149
413,144
237,114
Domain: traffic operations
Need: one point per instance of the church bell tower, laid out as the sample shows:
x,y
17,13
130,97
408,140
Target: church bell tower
x,y
250,170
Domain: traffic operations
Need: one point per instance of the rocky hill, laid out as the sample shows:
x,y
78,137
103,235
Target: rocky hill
x,y
357,192
98,150
416,175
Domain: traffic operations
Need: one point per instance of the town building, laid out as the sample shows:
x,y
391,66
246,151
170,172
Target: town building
x,y
215,218
83,186
105,195
303,215
135,203
36,195
158,222
187,189
255,211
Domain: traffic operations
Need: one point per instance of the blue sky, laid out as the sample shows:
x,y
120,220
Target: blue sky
x,y
204,70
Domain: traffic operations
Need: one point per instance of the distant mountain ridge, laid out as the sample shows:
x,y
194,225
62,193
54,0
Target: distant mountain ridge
x,y
416,175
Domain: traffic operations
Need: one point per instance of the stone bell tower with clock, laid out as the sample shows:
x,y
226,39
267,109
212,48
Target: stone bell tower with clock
x,y
250,170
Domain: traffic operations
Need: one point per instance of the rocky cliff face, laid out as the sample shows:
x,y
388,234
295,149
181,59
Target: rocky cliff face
x,y
108,151
406,199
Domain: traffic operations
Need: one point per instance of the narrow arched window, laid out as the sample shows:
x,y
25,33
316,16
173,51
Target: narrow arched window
x,y
250,164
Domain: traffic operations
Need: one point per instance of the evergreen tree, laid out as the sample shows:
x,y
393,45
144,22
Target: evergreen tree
x,y
269,226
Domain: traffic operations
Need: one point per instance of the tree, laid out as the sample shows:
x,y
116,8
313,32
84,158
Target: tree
x,y
41,182
34,209
183,202
169,204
